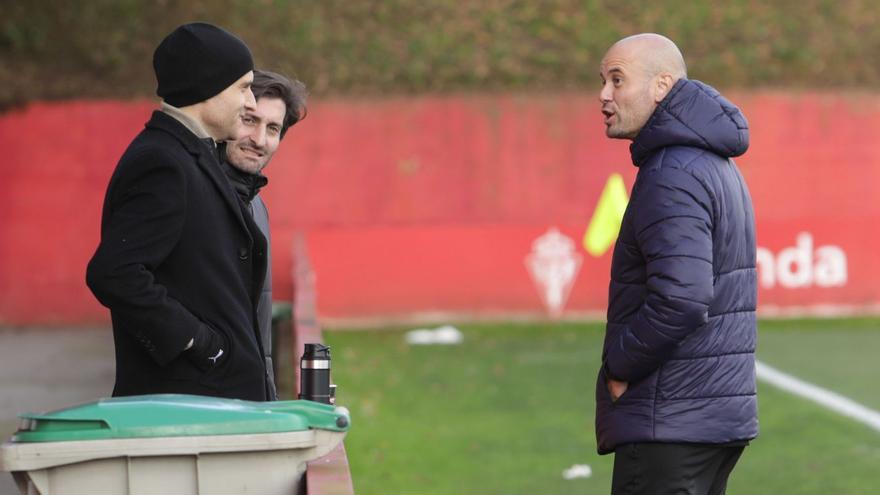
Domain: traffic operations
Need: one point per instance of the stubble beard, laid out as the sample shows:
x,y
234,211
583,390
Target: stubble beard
x,y
618,130
238,160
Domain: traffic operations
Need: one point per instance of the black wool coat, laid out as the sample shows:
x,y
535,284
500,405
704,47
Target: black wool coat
x,y
178,256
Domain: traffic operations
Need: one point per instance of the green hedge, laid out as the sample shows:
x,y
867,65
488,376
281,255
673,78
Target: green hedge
x,y
55,49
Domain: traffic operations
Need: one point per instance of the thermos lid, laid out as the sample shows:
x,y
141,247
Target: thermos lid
x,y
316,352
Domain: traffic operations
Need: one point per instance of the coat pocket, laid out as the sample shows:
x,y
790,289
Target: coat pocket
x,y
602,392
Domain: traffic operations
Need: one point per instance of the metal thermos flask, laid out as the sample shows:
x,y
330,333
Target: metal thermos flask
x,y
314,375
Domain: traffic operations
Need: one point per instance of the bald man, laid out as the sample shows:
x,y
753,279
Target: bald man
x,y
676,396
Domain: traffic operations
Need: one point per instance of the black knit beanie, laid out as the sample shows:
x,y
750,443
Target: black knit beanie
x,y
197,61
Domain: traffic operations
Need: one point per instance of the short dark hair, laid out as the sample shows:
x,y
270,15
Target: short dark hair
x,y
291,91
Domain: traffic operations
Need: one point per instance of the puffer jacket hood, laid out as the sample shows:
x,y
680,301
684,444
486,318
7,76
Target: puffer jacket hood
x,y
693,114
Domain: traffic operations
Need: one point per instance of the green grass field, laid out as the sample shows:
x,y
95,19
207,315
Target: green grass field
x,y
512,407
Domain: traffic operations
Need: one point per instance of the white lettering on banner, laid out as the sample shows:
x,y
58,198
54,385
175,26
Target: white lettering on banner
x,y
801,266
553,265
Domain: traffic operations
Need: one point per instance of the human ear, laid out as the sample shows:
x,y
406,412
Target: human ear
x,y
662,84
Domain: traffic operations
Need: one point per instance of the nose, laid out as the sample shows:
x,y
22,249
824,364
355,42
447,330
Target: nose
x,y
259,136
605,94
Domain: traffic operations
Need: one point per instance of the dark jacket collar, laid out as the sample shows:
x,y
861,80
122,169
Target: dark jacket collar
x,y
193,144
206,157
246,185
693,114
190,123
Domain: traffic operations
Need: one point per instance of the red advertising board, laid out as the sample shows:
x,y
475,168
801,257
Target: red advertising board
x,y
467,205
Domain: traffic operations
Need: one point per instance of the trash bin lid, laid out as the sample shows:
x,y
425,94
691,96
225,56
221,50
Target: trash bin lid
x,y
174,415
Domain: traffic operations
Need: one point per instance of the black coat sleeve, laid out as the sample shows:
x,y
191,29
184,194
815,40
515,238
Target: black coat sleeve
x,y
144,213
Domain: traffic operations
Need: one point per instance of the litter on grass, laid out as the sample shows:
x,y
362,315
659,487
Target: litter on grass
x,y
445,335
577,471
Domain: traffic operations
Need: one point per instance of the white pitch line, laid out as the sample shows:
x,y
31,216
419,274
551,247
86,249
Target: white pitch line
x,y
819,395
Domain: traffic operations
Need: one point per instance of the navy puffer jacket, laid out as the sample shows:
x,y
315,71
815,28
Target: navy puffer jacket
x,y
681,313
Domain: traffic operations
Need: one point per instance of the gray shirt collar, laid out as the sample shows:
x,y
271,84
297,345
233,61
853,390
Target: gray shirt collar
x,y
190,123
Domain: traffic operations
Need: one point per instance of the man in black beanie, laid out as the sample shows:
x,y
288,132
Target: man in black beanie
x,y
181,264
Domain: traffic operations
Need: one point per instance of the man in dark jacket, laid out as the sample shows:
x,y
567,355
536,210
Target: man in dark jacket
x,y
181,262
676,396
281,103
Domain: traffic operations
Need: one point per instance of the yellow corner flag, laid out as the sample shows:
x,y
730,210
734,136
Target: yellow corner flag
x,y
605,224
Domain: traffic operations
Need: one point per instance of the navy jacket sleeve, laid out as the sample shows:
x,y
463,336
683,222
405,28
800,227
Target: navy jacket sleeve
x,y
673,229
143,217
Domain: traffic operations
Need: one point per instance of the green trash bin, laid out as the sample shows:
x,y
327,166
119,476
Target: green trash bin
x,y
172,444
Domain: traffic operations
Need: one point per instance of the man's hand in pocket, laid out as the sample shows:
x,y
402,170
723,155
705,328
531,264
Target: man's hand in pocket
x,y
616,389
208,348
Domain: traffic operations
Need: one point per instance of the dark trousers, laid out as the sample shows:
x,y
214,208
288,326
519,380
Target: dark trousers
x,y
672,468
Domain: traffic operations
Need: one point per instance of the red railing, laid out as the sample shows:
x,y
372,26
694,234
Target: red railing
x,y
328,475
